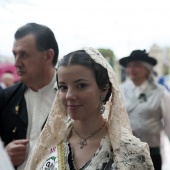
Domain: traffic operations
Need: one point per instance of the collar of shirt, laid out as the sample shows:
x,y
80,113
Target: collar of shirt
x,y
48,86
140,89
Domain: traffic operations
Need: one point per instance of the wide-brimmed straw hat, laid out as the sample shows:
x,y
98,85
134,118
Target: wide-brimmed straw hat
x,y
138,55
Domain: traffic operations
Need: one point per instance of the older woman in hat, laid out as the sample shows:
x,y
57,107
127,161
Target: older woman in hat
x,y
147,103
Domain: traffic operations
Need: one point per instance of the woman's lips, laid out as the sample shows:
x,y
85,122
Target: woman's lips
x,y
73,107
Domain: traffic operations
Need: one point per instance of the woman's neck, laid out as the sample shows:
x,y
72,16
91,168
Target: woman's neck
x,y
87,127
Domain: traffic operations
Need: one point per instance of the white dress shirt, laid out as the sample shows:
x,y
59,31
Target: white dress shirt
x,y
131,94
38,108
165,105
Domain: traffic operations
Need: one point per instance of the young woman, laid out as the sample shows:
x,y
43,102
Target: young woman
x,y
76,135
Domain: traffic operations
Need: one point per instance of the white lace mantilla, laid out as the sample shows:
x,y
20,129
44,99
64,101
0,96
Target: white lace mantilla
x,y
129,152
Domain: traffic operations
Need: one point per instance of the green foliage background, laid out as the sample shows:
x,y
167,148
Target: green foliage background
x,y
108,54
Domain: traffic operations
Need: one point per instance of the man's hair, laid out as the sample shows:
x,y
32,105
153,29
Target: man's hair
x,y
44,36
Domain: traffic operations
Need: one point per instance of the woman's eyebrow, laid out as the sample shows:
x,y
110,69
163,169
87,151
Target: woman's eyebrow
x,y
76,81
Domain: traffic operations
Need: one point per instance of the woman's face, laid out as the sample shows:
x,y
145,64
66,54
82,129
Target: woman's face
x,y
79,92
137,71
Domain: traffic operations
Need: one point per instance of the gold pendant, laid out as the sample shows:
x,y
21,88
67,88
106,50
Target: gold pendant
x,y
82,143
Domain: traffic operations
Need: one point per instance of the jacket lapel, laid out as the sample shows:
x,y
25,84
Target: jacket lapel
x,y
19,109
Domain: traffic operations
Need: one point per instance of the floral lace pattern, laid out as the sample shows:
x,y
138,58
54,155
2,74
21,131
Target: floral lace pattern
x,y
56,128
133,154
117,117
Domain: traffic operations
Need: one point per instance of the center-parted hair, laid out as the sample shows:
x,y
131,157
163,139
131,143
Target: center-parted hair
x,y
82,58
44,36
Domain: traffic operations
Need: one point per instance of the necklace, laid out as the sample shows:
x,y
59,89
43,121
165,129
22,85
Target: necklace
x,y
83,141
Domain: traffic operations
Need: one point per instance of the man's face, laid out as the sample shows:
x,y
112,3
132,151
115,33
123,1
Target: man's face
x,y
29,61
137,71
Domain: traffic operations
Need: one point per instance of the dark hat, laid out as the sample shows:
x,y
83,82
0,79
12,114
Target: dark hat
x,y
138,55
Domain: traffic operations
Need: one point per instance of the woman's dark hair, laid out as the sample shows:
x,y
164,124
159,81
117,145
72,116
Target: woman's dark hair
x,y
44,36
82,58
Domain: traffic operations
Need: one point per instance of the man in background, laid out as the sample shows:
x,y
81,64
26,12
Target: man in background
x,y
27,104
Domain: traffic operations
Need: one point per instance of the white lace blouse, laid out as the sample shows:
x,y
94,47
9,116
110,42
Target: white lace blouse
x,y
133,157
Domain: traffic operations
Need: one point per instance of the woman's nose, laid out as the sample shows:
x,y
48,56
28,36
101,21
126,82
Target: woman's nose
x,y
71,94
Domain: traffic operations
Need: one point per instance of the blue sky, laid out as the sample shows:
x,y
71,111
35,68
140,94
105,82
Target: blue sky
x,y
121,25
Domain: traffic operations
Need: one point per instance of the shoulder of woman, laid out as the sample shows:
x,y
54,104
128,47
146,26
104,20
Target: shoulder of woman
x,y
132,143
133,153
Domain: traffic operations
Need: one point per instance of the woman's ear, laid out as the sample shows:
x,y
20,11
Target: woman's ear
x,y
105,90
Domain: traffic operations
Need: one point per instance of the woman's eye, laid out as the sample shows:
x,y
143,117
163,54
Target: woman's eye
x,y
62,87
82,85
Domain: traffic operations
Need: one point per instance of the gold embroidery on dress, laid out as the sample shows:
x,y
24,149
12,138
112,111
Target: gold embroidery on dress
x,y
60,152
